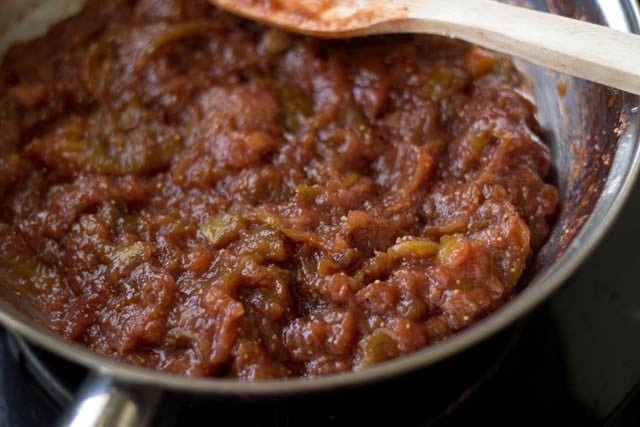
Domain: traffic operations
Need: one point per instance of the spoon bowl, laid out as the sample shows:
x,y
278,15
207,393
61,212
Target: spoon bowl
x,y
582,49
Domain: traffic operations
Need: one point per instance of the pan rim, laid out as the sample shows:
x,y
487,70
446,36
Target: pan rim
x,y
626,160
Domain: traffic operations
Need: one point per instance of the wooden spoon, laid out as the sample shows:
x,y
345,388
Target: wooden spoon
x,y
582,49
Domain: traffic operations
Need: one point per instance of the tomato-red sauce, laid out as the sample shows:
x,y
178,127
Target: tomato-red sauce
x,y
196,193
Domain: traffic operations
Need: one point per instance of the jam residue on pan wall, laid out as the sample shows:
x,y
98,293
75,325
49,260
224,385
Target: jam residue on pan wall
x,y
192,192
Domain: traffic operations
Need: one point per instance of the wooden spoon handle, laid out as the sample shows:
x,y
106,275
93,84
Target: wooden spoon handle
x,y
582,49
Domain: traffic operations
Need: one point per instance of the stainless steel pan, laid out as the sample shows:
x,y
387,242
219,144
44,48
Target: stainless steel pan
x,y
595,140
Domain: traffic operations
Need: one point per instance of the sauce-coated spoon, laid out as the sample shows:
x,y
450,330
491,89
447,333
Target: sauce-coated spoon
x,y
582,49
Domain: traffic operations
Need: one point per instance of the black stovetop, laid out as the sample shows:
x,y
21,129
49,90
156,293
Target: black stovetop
x,y
575,360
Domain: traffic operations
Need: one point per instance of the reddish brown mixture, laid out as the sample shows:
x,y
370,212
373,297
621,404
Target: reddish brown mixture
x,y
192,192
327,17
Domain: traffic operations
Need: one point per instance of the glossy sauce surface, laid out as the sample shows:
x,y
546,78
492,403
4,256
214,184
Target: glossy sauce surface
x,y
199,194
